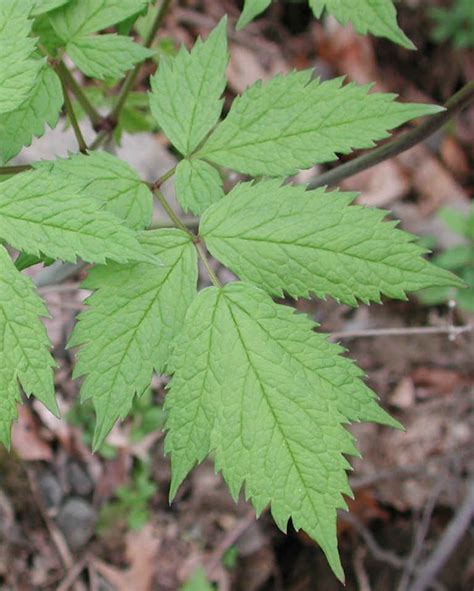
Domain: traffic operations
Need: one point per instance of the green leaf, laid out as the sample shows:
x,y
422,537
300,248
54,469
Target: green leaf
x,y
47,36
198,185
198,582
24,261
465,297
106,56
186,90
378,17
435,295
43,106
287,239
24,355
255,386
109,180
44,213
80,17
456,257
293,122
456,220
18,67
132,318
252,8
42,6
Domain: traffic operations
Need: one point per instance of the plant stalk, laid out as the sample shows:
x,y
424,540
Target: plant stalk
x,y
459,101
69,81
171,214
73,119
132,76
210,271
6,170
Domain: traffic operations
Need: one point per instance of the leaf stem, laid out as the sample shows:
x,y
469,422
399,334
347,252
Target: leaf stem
x,y
68,80
171,214
178,223
163,178
73,119
210,271
401,143
132,76
5,170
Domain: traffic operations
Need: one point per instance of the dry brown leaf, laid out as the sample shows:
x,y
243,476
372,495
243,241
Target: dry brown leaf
x,y
380,185
246,67
142,547
431,381
434,183
26,439
364,506
404,394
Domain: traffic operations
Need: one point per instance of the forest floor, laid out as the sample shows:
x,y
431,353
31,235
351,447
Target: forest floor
x,y
70,519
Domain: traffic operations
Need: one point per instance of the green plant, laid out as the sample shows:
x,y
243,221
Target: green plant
x,y
130,507
253,384
198,582
145,417
366,16
459,259
455,24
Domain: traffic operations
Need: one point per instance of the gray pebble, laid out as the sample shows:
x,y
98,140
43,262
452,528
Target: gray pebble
x,y
79,480
50,490
77,519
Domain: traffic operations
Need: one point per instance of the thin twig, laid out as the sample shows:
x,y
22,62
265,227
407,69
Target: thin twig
x,y
454,105
229,540
56,535
73,574
448,542
377,552
421,531
68,80
452,331
406,471
359,569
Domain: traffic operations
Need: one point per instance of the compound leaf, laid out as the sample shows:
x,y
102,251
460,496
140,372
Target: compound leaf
x,y
198,185
257,387
44,213
106,56
252,8
42,106
186,90
109,180
24,355
378,17
287,239
79,17
133,315
18,67
293,122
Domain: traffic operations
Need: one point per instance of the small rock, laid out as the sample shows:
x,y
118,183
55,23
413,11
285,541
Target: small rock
x,y
79,480
77,519
50,490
